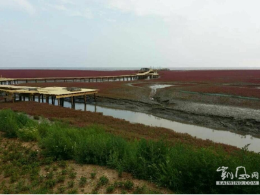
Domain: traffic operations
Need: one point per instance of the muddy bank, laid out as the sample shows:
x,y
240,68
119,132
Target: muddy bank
x,y
235,119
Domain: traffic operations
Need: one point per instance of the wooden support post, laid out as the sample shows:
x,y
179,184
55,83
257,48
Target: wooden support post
x,y
85,99
74,102
13,97
95,99
47,99
58,101
71,100
20,97
34,98
53,100
42,98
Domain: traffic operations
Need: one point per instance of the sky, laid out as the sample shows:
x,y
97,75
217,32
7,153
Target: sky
x,y
130,33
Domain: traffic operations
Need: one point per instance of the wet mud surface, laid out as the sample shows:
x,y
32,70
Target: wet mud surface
x,y
231,118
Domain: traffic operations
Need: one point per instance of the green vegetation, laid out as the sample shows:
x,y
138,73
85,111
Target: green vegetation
x,y
103,181
128,185
180,168
93,175
110,189
82,181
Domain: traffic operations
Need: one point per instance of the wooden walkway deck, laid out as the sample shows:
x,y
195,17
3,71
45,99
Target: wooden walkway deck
x,y
59,93
9,81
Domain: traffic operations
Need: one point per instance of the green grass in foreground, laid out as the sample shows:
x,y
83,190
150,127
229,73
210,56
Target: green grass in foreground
x,y
180,168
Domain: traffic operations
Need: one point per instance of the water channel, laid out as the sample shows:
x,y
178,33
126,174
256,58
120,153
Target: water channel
x,y
220,136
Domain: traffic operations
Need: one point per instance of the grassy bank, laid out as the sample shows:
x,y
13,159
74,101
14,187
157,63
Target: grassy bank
x,y
112,125
181,168
24,170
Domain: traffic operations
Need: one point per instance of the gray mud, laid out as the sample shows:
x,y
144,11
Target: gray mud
x,y
235,119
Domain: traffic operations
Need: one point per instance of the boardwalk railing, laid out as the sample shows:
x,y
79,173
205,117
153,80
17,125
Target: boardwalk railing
x,y
77,79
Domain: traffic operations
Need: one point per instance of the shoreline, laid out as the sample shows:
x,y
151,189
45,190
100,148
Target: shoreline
x,y
190,114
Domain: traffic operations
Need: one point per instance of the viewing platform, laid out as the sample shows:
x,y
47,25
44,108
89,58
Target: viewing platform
x,y
13,93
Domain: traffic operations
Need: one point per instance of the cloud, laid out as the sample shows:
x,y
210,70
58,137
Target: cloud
x,y
71,2
23,5
201,32
71,8
58,7
163,8
191,9
87,13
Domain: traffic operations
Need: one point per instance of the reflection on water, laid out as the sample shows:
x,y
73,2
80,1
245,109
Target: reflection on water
x,y
204,133
225,137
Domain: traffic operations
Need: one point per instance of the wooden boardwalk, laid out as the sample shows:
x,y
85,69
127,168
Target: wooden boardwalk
x,y
47,93
9,81
9,91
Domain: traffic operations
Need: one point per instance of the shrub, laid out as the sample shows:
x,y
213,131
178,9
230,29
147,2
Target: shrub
x,y
82,181
36,117
61,189
73,191
72,175
128,185
93,175
174,167
139,190
103,181
59,142
70,184
60,178
110,189
11,122
27,133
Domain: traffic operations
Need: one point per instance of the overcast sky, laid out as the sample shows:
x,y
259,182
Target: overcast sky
x,y
130,33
